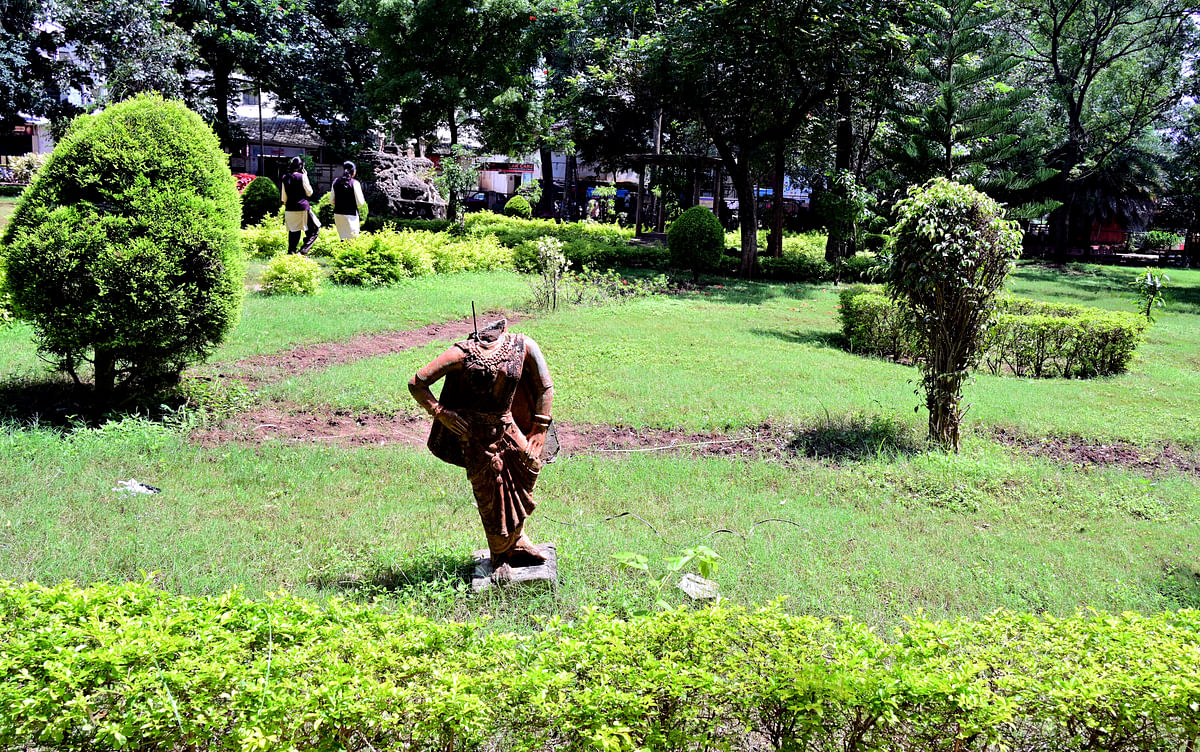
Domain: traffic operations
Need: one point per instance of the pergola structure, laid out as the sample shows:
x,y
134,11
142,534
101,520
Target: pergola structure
x,y
694,165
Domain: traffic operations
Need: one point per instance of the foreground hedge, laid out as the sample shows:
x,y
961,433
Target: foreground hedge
x,y
1027,338
128,666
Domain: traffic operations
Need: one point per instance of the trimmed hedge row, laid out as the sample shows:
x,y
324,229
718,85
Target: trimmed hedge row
x,y
128,666
1027,338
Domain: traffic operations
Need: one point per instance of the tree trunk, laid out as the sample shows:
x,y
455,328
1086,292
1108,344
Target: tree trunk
x,y
547,205
747,220
775,238
452,199
221,73
105,363
843,151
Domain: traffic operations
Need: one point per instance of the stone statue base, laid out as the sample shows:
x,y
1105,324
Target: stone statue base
x,y
543,576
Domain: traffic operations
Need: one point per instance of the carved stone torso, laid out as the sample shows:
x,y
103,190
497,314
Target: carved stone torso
x,y
490,378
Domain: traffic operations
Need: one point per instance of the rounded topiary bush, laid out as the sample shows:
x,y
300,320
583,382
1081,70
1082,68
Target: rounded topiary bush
x,y
259,201
124,252
291,274
518,206
695,240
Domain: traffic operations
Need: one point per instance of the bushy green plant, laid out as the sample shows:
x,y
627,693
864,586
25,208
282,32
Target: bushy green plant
x,y
130,666
25,168
1148,289
695,240
324,211
259,201
291,274
1026,338
124,253
1160,240
6,316
386,256
266,240
518,206
551,265
952,250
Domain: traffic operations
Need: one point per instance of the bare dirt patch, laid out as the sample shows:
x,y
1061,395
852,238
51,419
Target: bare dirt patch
x,y
1074,450
281,422
272,367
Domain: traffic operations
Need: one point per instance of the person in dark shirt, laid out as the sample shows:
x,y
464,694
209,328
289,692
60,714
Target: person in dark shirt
x,y
346,197
294,192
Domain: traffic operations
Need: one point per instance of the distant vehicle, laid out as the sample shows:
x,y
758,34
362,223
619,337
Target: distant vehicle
x,y
477,201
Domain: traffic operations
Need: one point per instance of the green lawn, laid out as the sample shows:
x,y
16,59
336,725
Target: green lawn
x,y
7,206
877,539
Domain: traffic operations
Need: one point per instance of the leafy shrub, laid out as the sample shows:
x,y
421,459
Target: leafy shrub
x,y
1160,240
873,324
130,666
512,231
25,168
124,252
372,224
259,201
324,209
6,316
1026,338
952,250
469,254
1047,341
551,265
518,206
291,274
696,240
1148,289
266,240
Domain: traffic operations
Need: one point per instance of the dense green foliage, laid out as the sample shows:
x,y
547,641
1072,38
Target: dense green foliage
x,y
1026,338
518,206
259,201
386,257
952,250
291,274
110,665
124,252
696,240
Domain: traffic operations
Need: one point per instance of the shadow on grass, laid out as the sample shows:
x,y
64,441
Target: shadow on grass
x,y
832,340
49,401
1181,584
423,570
856,437
733,291
1101,281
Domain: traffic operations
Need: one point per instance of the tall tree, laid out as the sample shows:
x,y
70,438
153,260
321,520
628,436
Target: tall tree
x,y
444,61
33,78
321,70
127,47
231,36
1111,70
752,71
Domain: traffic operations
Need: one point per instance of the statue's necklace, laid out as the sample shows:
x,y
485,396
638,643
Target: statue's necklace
x,y
490,360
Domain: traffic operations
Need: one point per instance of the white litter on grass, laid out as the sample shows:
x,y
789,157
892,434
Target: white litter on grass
x,y
133,487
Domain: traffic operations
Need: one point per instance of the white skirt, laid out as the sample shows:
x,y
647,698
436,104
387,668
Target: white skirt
x,y
347,225
296,220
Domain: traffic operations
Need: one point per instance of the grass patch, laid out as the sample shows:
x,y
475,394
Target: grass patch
x,y
7,207
877,533
951,535
740,354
